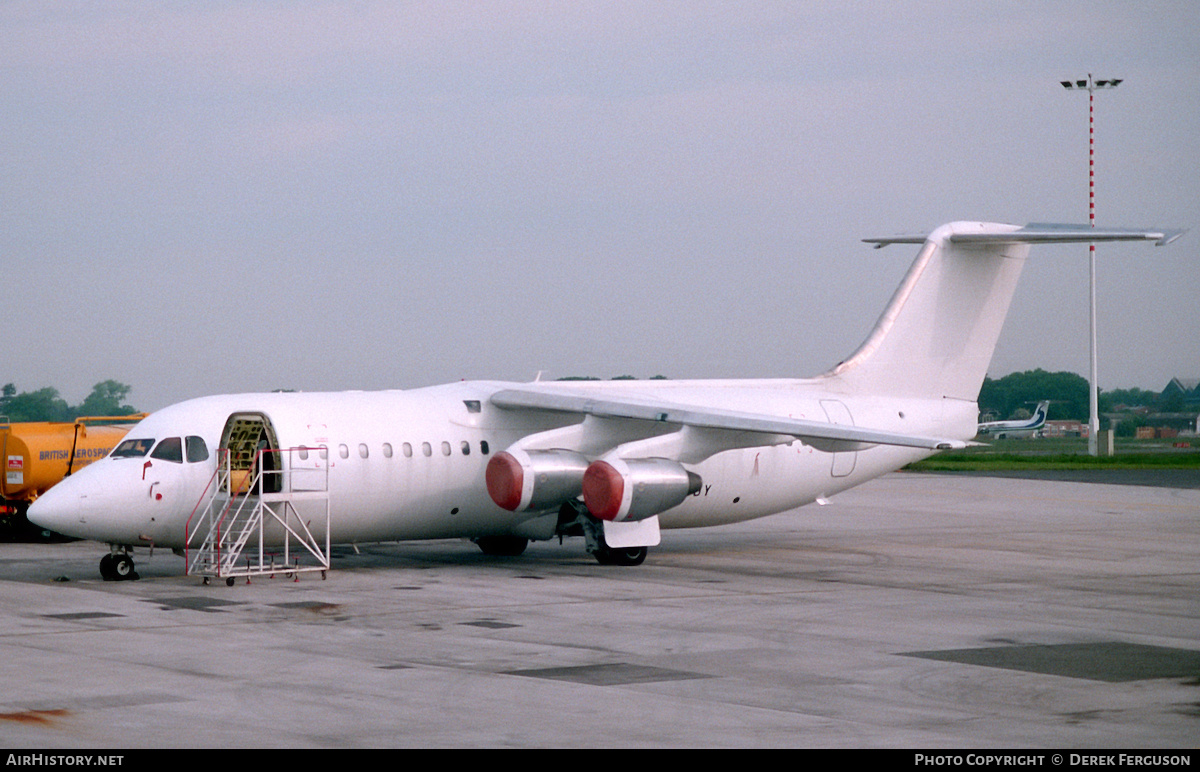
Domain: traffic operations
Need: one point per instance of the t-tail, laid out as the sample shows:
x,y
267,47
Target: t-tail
x,y
936,336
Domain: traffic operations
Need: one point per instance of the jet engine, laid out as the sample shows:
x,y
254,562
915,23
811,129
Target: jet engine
x,y
636,488
521,480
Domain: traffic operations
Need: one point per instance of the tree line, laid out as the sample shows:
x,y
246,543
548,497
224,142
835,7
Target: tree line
x,y
1014,396
1003,398
108,398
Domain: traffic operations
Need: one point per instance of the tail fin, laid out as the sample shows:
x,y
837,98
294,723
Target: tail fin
x,y
936,336
1040,413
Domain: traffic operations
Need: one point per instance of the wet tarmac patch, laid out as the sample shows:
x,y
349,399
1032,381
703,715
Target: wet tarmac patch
x,y
1113,662
491,624
319,608
82,615
193,603
615,674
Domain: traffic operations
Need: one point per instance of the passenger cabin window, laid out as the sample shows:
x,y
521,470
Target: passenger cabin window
x,y
197,449
303,453
132,449
407,448
387,450
427,449
445,448
466,448
343,451
170,449
363,451
483,447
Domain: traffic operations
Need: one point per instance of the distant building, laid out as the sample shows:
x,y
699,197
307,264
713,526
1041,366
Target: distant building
x,y
1064,429
1186,389
1181,404
1156,433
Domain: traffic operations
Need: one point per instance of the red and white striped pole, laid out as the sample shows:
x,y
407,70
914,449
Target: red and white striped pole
x,y
1094,392
1091,156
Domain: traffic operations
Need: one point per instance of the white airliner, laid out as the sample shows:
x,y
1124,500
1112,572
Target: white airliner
x,y
614,461
1017,428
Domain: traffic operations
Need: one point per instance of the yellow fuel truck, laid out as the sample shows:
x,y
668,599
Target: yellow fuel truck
x,y
37,455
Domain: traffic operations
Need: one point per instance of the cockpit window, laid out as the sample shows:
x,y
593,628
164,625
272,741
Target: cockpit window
x,y
132,449
170,449
197,450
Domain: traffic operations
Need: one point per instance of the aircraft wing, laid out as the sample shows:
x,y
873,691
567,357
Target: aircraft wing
x,y
639,408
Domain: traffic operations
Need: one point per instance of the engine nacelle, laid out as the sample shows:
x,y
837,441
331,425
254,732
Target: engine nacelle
x,y
520,480
636,488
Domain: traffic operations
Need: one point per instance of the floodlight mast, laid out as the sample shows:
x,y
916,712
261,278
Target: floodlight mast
x,y
1094,393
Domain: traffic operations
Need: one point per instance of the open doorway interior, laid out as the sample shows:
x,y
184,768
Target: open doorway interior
x,y
250,441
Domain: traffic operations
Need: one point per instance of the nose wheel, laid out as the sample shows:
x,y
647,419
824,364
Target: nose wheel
x,y
116,567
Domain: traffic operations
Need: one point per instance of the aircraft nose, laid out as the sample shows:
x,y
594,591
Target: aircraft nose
x,y
60,509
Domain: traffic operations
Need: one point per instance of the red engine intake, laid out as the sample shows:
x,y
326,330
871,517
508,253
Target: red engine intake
x,y
635,489
520,480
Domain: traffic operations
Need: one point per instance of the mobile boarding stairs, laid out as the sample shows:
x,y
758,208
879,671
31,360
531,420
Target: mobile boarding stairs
x,y
258,521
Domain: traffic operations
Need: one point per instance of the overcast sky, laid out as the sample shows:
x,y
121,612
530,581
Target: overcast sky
x,y
206,197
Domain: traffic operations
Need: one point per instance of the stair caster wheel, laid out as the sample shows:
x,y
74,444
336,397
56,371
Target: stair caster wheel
x,y
229,582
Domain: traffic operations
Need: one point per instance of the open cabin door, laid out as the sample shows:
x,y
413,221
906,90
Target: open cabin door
x,y
252,446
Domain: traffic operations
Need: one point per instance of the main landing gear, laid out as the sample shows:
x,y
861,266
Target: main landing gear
x,y
512,546
118,566
573,520
592,530
623,556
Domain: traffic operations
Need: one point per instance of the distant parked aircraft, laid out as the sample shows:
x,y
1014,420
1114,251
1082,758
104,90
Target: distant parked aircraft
x,y
1027,427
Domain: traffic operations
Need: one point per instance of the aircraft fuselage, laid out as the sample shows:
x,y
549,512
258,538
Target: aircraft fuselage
x,y
411,464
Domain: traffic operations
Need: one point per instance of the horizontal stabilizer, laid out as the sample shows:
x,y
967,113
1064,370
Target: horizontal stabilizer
x,y
1039,233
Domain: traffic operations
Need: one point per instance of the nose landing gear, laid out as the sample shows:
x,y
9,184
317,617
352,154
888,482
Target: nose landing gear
x,y
118,566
